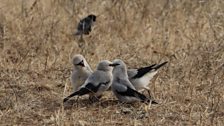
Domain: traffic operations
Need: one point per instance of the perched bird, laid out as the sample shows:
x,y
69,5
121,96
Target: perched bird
x,y
98,82
140,78
84,26
122,87
81,71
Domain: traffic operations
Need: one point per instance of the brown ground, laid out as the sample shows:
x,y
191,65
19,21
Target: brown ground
x,y
36,47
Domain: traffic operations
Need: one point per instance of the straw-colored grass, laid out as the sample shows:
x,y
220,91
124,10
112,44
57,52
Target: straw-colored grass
x,y
36,47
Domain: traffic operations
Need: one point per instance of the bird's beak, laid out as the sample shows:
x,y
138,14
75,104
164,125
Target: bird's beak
x,y
81,64
114,64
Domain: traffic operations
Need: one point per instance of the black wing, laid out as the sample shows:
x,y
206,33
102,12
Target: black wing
x,y
92,88
142,71
89,88
80,92
160,65
84,90
132,93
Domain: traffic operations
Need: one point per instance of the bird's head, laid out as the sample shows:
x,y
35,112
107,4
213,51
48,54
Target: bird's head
x,y
105,65
119,67
78,61
93,17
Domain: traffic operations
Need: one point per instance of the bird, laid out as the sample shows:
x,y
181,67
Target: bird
x,y
85,25
81,71
98,82
140,78
122,87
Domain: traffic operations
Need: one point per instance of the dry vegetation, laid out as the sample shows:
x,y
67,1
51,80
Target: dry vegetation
x,y
36,46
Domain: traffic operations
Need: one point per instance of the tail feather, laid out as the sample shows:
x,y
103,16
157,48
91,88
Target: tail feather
x,y
142,71
139,95
160,65
152,101
80,92
144,98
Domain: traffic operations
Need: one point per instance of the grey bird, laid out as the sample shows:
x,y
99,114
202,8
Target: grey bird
x,y
81,71
122,87
140,78
85,25
98,82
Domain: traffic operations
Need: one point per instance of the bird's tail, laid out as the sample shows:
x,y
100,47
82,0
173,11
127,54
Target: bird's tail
x,y
150,67
151,101
160,65
80,92
144,98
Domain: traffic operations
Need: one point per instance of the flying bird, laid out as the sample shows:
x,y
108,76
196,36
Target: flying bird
x,y
98,82
122,87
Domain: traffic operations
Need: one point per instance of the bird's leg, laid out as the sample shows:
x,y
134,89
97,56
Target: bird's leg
x,y
99,97
77,99
81,38
94,98
149,92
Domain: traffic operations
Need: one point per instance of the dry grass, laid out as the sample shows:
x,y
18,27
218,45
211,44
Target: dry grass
x,y
36,46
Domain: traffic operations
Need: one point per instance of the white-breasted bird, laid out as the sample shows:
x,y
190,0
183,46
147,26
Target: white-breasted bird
x,y
98,82
122,87
140,78
81,71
